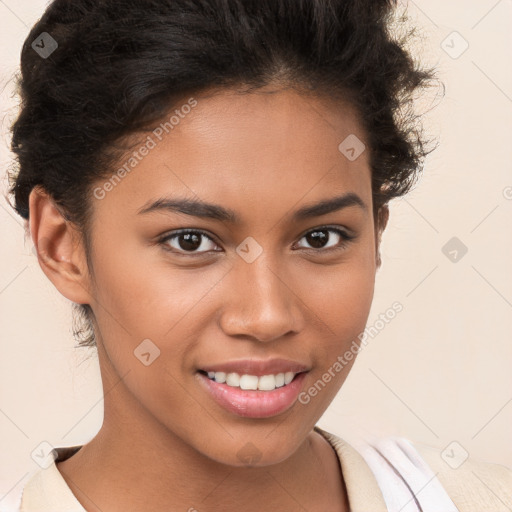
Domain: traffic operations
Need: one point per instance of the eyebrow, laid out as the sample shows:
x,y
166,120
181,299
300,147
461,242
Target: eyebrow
x,y
205,210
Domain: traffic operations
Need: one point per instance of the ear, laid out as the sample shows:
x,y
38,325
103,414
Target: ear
x,y
380,225
59,247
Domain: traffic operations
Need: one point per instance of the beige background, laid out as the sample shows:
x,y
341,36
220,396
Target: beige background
x,y
439,372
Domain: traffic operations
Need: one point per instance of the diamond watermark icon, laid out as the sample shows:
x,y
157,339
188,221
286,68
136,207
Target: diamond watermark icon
x,y
454,455
249,249
352,147
454,249
249,454
44,45
454,45
147,352
43,454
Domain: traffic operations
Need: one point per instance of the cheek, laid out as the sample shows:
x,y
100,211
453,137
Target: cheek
x,y
347,299
340,302
341,295
340,298
145,292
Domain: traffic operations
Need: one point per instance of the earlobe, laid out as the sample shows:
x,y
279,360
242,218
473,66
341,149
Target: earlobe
x,y
58,247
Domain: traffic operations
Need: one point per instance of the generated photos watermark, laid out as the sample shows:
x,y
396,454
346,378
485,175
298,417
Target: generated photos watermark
x,y
150,143
344,359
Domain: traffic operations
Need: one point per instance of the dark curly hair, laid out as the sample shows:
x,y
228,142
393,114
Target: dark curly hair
x,y
120,66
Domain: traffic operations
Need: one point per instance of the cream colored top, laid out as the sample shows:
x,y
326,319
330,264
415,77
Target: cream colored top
x,y
375,481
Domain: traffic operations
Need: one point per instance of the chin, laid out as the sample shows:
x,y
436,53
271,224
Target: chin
x,y
257,447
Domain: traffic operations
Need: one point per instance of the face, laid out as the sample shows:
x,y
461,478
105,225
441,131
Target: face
x,y
260,284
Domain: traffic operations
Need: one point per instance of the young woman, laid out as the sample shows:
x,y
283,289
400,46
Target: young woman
x,y
208,182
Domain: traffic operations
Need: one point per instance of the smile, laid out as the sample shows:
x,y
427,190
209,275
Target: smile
x,y
252,382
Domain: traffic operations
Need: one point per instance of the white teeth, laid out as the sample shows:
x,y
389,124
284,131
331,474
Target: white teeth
x,y
288,377
279,380
219,377
249,382
267,383
233,379
252,382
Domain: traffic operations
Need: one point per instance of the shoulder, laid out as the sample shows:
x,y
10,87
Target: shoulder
x,y
469,481
446,478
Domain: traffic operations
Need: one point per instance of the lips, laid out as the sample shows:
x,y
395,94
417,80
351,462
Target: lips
x,y
256,367
253,403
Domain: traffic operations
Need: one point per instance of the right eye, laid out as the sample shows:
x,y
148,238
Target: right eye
x,y
188,241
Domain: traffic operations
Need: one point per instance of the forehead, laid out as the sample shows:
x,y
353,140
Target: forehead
x,y
245,149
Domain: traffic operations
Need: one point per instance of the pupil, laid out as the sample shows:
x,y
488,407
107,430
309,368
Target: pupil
x,y
192,241
317,239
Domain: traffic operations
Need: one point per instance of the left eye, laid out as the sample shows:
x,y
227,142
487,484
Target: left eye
x,y
318,238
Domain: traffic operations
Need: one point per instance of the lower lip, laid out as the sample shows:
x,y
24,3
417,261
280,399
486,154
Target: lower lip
x,y
254,404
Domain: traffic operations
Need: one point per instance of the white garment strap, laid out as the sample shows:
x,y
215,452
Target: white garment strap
x,y
406,481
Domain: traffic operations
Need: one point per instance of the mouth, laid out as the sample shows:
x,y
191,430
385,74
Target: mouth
x,y
252,396
251,382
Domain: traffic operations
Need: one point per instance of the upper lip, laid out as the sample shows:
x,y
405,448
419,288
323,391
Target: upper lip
x,y
257,367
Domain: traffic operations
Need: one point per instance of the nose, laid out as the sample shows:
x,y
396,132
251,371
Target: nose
x,y
261,303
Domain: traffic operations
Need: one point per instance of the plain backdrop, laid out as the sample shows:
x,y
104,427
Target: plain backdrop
x,y
439,373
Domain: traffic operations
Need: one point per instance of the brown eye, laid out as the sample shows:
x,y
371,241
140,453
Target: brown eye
x,y
320,238
188,241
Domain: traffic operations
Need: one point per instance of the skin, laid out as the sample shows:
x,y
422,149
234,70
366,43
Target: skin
x,y
169,445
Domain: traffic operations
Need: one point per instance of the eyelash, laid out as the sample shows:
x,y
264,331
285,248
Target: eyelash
x,y
346,239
